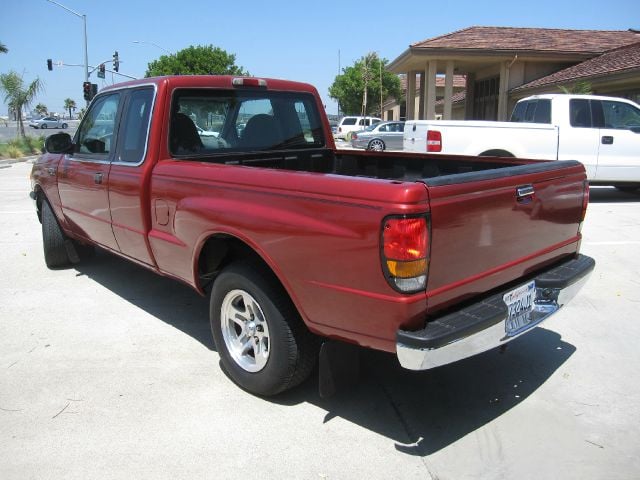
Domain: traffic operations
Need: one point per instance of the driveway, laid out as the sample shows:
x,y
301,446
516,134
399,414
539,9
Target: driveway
x,y
109,371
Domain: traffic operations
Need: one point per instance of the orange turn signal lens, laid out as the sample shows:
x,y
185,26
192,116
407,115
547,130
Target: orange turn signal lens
x,y
407,269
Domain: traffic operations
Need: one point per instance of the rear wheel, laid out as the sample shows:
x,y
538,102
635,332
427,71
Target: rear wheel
x,y
53,239
263,344
376,145
44,125
64,125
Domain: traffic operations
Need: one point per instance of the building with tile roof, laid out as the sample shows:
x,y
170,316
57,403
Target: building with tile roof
x,y
503,64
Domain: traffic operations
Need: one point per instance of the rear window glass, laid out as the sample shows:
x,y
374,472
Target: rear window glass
x,y
205,122
349,121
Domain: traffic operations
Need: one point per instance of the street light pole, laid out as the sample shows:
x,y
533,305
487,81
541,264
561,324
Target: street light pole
x,y
155,45
86,53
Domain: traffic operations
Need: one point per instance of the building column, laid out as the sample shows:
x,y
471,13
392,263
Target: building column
x,y
503,94
423,93
448,91
469,98
429,99
411,95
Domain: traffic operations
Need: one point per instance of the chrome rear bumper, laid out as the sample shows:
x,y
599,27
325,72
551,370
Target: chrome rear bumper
x,y
482,326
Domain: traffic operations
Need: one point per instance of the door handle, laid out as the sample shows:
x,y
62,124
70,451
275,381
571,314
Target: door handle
x,y
51,171
97,178
607,140
525,193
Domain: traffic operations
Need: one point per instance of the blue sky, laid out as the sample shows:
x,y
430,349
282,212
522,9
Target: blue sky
x,y
288,39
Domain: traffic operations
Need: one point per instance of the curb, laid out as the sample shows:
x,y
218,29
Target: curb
x,y
5,162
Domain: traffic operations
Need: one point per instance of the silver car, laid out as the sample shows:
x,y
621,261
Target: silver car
x,y
47,122
379,137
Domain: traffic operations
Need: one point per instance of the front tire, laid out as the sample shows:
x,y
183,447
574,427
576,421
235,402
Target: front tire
x,y
264,346
64,126
43,126
53,239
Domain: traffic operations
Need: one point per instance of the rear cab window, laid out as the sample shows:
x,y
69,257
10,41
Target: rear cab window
x,y
208,122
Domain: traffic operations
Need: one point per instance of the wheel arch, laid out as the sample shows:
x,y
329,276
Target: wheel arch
x,y
497,152
217,250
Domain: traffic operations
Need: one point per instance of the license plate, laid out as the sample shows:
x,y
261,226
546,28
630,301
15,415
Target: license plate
x,y
519,304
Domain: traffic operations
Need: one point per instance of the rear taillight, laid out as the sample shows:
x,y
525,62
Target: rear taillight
x,y
405,251
434,141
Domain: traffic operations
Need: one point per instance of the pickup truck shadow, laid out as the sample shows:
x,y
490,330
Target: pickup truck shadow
x,y
168,300
612,195
420,412
423,412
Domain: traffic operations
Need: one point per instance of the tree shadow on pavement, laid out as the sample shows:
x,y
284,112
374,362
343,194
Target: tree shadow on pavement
x,y
421,412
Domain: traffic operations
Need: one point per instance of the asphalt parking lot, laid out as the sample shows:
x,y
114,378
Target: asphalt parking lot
x,y
108,371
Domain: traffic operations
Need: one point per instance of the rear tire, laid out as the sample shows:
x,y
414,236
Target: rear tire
x,y
64,126
53,239
264,346
376,145
43,126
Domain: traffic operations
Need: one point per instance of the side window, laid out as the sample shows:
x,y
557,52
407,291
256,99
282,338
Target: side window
x,y
543,111
349,121
620,115
580,113
96,133
384,128
135,125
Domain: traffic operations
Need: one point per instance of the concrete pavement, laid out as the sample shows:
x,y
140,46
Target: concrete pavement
x,y
108,371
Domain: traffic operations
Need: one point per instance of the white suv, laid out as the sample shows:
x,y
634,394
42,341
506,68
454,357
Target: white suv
x,y
354,124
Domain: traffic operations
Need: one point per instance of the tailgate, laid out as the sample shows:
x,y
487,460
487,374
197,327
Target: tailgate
x,y
493,227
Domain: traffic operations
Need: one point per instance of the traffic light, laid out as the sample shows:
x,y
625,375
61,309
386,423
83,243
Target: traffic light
x,y
116,61
86,90
101,71
49,64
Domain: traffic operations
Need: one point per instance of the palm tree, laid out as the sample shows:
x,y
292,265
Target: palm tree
x,y
17,96
41,109
69,104
3,48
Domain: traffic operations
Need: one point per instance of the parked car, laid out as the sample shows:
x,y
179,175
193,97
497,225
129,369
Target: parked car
x,y
354,124
47,122
379,137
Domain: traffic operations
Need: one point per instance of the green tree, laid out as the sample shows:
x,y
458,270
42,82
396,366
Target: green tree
x,y
581,87
69,104
349,88
196,60
18,95
41,109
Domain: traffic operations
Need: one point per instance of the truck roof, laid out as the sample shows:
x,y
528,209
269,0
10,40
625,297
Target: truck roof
x,y
217,81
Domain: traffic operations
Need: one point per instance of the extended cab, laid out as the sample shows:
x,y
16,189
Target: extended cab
x,y
432,258
601,132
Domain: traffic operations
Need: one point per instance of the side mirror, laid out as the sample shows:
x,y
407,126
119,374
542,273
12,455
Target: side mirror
x,y
635,129
59,143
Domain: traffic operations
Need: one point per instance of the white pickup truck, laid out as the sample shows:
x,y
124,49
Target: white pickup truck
x,y
601,132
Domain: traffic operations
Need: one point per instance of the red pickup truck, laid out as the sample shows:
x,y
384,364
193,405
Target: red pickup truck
x,y
235,187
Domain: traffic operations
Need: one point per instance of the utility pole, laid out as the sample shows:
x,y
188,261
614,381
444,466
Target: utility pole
x,y
86,53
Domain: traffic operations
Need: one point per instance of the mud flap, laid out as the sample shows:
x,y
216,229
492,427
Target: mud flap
x,y
339,367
